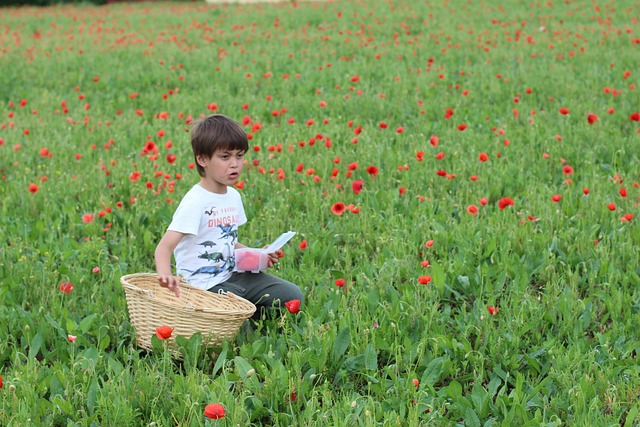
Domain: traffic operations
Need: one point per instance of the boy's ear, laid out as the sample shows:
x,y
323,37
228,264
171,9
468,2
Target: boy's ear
x,y
202,160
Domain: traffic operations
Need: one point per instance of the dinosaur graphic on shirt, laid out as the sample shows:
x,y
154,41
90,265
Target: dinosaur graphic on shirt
x,y
207,243
217,268
229,231
213,256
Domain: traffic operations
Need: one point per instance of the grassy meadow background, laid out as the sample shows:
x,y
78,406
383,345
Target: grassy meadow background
x,y
489,259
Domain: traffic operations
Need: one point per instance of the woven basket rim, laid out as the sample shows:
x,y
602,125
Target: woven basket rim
x,y
165,298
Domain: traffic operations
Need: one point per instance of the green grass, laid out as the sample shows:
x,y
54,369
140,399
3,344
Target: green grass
x,y
563,346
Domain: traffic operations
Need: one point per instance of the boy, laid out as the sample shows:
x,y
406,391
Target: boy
x,y
204,231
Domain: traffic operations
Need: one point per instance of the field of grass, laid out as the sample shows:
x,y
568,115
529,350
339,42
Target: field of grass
x,y
467,171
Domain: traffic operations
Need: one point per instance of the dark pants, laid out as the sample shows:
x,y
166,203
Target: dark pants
x,y
262,289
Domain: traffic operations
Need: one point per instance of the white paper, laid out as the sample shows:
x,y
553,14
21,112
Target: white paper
x,y
279,242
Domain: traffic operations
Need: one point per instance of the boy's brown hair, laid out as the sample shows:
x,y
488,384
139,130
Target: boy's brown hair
x,y
216,132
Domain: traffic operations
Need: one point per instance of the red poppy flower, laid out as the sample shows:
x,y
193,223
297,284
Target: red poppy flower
x,y
592,118
556,198
303,245
383,125
33,188
635,117
357,186
504,202
420,156
472,209
623,192
626,217
434,140
134,176
424,263
429,243
424,280
66,287
293,306
462,127
372,170
564,111
611,206
492,310
164,332
483,157
338,208
0,381
87,218
440,155
71,338
585,191
214,411
567,170
352,166
339,283
416,382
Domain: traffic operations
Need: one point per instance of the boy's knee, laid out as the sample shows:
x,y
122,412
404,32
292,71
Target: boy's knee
x,y
293,293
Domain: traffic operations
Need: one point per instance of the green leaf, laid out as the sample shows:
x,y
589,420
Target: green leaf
x,y
104,343
115,366
55,386
471,418
341,343
243,366
92,396
437,273
494,384
222,357
434,370
454,390
36,345
632,415
370,358
86,323
337,274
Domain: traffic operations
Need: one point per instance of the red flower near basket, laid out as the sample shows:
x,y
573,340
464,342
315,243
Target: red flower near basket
x,y
164,332
293,306
214,411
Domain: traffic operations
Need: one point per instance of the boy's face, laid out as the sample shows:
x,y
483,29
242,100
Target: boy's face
x,y
221,169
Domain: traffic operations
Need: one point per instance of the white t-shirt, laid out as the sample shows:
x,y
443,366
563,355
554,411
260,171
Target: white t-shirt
x,y
205,256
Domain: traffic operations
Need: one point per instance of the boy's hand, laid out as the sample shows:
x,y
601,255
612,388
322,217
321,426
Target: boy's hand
x,y
171,282
274,257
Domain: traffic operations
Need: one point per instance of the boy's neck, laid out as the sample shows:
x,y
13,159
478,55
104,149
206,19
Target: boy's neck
x,y
212,187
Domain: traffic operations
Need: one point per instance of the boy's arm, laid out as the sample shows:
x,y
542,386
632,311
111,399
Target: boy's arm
x,y
163,254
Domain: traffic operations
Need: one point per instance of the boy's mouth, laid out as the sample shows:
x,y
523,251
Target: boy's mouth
x,y
233,175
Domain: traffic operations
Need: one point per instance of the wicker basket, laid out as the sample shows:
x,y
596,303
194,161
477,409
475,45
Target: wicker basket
x,y
217,317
